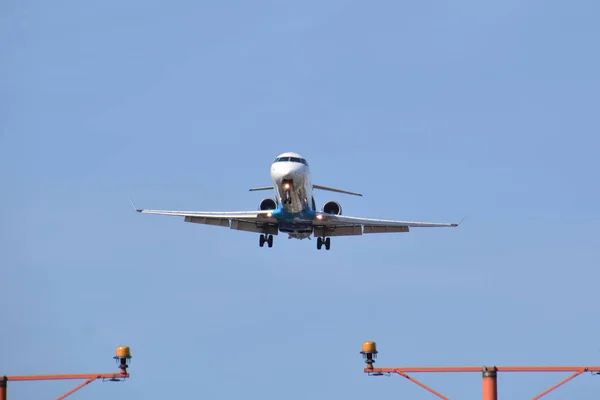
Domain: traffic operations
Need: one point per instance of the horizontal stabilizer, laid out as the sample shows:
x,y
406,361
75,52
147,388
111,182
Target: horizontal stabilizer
x,y
336,190
262,188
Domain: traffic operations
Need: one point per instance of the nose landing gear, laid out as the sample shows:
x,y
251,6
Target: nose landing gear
x,y
287,197
268,239
323,241
287,192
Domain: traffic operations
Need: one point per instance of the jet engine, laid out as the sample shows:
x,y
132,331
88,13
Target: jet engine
x,y
267,204
332,207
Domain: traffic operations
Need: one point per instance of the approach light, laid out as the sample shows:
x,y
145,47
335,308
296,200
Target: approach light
x,y
369,352
122,357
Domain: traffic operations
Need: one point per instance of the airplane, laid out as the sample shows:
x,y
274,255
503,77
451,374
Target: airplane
x,y
293,210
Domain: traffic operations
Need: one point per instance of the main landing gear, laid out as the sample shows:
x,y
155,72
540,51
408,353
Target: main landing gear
x,y
323,241
265,239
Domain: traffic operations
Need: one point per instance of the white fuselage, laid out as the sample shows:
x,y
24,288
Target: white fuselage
x,y
292,182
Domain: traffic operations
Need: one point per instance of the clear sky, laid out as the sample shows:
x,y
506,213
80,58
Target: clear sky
x,y
431,109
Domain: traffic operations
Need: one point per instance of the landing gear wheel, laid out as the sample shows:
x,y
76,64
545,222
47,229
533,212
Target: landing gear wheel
x,y
268,239
323,241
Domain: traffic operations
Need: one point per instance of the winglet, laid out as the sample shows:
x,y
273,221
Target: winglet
x,y
134,207
461,221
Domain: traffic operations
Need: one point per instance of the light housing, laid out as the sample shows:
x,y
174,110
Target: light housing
x,y
123,356
369,352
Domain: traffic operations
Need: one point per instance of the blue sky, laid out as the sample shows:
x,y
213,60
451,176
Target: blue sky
x,y
431,109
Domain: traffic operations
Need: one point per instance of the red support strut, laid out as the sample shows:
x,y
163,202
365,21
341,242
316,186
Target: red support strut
x,y
410,378
559,384
70,392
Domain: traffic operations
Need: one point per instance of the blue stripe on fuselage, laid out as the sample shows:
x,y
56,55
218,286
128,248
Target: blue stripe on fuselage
x,y
294,222
306,215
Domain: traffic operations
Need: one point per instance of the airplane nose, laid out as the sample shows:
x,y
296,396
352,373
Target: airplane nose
x,y
280,171
277,172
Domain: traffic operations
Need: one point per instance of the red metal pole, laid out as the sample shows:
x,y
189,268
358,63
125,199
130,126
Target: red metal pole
x,y
3,388
408,370
490,383
67,376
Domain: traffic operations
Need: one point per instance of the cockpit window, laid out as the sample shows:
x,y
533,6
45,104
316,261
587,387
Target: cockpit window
x,y
291,159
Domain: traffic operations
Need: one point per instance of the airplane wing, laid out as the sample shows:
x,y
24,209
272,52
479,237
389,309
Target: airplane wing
x,y
250,221
339,225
